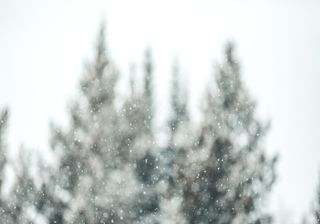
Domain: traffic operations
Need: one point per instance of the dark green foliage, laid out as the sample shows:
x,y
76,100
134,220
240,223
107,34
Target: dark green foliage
x,y
146,169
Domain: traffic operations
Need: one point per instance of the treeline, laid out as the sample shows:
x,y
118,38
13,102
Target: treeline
x,y
112,168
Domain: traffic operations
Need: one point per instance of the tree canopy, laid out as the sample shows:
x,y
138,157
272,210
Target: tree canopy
x,y
112,168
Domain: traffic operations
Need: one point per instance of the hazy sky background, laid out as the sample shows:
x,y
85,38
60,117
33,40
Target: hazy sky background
x,y
43,45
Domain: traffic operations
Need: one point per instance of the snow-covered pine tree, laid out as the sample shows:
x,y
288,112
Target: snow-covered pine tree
x,y
87,148
136,142
178,139
18,205
24,195
178,121
226,172
98,179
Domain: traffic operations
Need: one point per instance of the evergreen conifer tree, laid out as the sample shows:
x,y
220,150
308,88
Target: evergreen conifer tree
x,y
18,205
226,172
98,173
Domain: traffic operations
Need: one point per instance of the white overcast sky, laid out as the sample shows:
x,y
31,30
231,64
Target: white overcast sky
x,y
43,45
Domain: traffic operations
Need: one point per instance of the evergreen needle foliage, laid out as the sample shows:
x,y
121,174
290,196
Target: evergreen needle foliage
x,y
113,169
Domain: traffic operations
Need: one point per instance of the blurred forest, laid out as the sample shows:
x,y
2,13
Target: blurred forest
x,y
112,168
